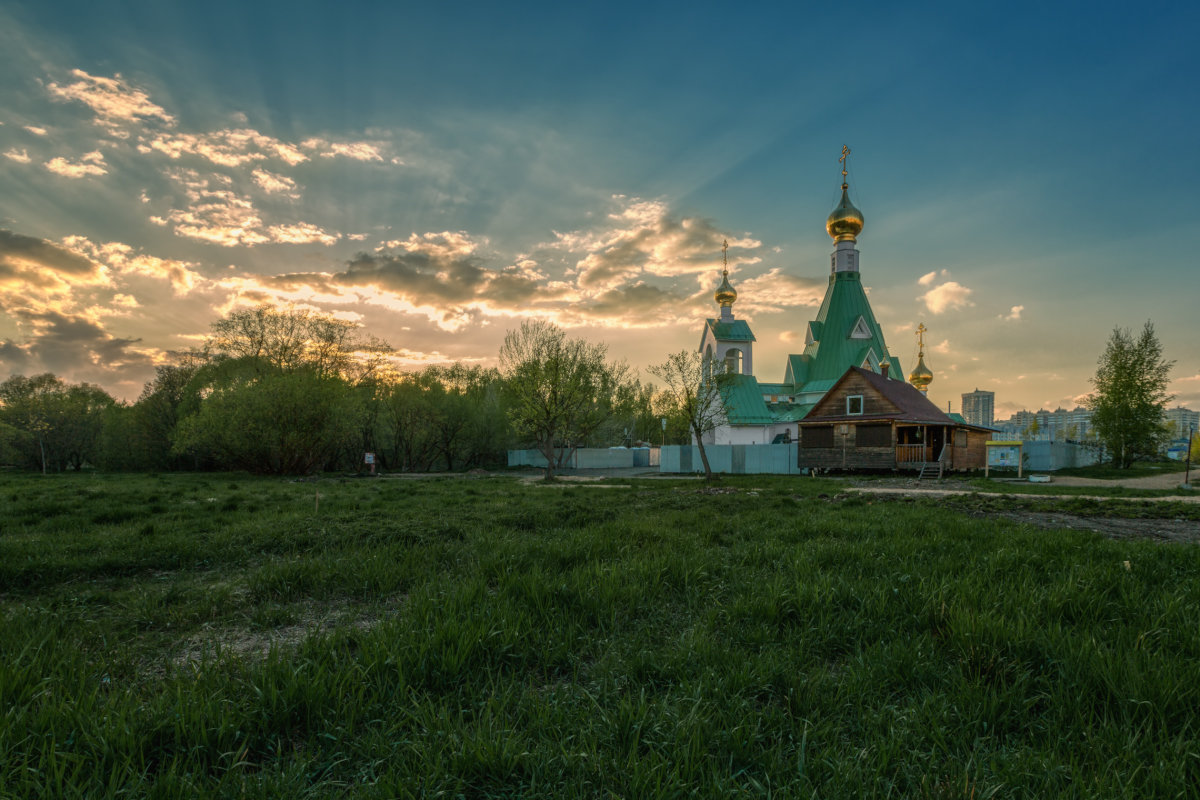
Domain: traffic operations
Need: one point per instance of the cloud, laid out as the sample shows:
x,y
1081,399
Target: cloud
x,y
948,296
73,345
29,263
441,245
217,214
638,305
123,260
20,156
35,130
776,290
944,347
359,151
271,183
88,164
226,148
301,233
1015,314
930,277
112,100
641,238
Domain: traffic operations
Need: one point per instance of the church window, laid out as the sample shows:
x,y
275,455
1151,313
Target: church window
x,y
854,404
733,360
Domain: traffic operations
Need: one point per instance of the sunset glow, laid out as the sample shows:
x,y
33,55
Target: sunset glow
x,y
438,179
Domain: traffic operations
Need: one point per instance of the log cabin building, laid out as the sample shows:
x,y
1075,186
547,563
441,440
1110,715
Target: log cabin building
x,y
867,421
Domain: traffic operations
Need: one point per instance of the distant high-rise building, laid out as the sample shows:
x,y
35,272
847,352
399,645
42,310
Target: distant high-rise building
x,y
1182,421
978,408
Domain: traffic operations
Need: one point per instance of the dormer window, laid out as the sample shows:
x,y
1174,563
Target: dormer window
x,y
854,405
861,330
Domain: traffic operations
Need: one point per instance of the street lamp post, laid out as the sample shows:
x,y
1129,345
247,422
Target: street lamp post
x,y
1187,471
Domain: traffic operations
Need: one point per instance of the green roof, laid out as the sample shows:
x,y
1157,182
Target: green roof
x,y
959,418
744,401
736,331
791,412
796,372
827,358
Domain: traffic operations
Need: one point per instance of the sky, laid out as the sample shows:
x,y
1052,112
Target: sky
x,y
438,172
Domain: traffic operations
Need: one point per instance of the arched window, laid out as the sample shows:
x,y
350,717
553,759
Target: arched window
x,y
733,360
707,366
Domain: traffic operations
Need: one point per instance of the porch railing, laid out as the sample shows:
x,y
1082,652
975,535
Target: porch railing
x,y
907,453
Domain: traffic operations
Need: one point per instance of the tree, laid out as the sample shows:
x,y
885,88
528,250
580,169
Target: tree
x,y
695,391
288,423
53,425
281,391
561,389
1131,395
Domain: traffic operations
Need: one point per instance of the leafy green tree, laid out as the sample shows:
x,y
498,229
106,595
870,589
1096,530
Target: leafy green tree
x,y
279,391
53,425
406,435
286,423
561,389
694,390
1131,395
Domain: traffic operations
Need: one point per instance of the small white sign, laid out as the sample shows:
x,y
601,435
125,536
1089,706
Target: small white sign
x,y
369,458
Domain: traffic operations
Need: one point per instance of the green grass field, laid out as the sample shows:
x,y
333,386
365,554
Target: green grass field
x,y
230,636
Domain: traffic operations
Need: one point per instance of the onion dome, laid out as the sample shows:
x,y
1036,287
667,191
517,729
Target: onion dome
x,y
846,221
921,377
725,294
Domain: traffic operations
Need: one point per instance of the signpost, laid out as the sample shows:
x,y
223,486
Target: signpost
x,y
1003,454
369,458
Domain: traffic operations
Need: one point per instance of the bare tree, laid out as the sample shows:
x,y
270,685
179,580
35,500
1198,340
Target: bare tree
x,y
694,390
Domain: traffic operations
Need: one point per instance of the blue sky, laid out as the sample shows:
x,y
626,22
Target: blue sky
x,y
437,172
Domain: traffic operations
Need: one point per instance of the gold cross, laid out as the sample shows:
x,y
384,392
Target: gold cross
x,y
921,336
725,255
843,162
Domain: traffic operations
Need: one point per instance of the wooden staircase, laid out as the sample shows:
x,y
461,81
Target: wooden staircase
x,y
928,468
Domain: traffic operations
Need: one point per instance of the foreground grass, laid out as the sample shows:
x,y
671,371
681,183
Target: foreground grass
x,y
232,636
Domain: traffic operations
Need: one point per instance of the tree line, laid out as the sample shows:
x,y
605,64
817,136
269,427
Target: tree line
x,y
294,392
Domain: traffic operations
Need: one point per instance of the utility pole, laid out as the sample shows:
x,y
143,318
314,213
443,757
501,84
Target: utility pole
x,y
1187,471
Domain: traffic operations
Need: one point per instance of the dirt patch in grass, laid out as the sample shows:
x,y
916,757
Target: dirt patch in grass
x,y
255,642
1163,530
1115,517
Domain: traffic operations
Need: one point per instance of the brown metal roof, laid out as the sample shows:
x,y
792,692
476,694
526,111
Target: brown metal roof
x,y
913,406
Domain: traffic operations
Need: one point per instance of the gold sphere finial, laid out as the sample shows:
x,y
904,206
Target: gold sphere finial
x,y
921,376
725,294
845,222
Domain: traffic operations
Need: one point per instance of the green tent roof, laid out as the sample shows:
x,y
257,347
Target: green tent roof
x,y
826,359
736,331
744,401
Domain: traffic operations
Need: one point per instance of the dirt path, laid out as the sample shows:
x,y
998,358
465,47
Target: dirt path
x,y
917,492
1167,480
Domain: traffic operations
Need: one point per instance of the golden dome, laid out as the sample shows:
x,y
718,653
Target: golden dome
x,y
725,294
921,377
846,221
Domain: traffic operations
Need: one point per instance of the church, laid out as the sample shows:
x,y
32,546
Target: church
x,y
844,334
